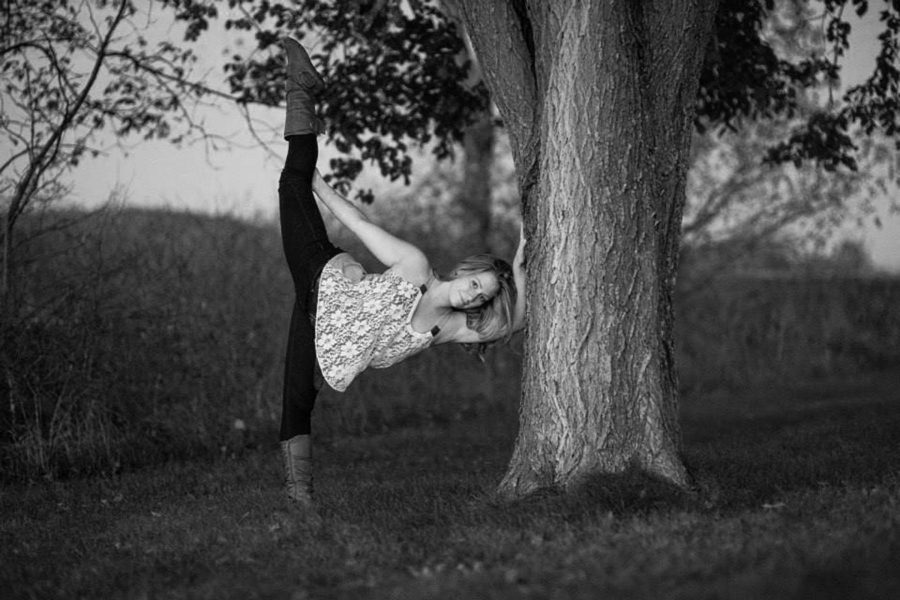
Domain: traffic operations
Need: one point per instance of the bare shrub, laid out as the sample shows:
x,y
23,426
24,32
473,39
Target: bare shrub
x,y
142,335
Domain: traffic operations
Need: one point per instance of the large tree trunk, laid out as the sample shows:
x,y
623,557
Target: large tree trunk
x,y
598,99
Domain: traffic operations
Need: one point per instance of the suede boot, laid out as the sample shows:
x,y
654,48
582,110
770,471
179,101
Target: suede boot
x,y
303,85
296,455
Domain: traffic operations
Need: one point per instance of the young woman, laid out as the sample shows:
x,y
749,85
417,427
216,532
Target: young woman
x,y
345,320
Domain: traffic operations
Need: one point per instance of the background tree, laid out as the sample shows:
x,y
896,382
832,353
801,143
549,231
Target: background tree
x,y
71,70
738,206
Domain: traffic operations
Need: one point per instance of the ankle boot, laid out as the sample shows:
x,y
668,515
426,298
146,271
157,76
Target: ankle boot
x,y
296,455
303,85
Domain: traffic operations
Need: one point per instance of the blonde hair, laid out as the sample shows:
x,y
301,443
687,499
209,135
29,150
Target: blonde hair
x,y
492,320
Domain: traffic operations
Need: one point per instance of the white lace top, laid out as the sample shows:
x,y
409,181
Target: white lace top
x,y
364,323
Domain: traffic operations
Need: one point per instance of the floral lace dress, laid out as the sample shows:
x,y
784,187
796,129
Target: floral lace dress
x,y
364,323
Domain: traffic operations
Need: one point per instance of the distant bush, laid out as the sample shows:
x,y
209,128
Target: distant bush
x,y
142,336
146,335
742,330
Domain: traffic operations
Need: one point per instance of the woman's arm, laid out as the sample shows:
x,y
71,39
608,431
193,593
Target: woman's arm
x,y
389,249
518,266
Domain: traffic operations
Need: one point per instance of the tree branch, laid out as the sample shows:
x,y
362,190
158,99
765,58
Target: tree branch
x,y
142,65
37,167
498,34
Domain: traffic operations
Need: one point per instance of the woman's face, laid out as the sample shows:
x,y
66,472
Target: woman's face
x,y
473,290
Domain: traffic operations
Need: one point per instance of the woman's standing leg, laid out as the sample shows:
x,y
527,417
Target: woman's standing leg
x,y
307,249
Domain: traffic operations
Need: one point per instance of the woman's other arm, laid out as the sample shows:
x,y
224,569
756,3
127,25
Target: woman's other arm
x,y
518,266
387,248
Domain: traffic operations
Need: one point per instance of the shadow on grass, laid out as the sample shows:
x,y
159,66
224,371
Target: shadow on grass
x,y
627,494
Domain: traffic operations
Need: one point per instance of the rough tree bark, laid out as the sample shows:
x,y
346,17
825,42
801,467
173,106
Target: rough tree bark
x,y
597,98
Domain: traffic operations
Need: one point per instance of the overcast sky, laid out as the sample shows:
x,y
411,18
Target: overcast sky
x,y
242,180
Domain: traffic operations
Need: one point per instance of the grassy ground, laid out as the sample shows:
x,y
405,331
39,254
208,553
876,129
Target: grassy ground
x,y
798,496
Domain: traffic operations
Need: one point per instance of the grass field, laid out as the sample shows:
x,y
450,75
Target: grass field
x,y
797,496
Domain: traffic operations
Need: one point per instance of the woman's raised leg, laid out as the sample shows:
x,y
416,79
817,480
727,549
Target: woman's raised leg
x,y
307,249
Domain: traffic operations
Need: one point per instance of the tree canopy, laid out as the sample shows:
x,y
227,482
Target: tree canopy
x,y
396,78
394,72
71,70
738,204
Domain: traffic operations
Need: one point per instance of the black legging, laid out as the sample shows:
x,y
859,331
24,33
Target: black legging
x,y
307,249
